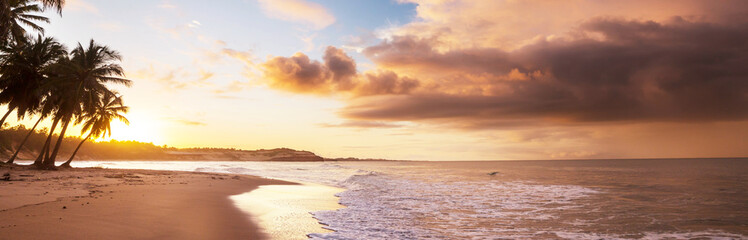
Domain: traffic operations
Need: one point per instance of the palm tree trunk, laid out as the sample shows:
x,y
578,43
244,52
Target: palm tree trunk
x,y
13,158
2,121
38,161
50,163
45,148
67,163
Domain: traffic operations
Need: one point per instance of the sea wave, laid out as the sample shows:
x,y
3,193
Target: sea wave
x,y
382,206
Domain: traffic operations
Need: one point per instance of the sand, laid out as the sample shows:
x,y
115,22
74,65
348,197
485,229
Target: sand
x,y
124,204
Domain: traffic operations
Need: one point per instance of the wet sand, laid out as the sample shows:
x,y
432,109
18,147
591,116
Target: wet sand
x,y
283,211
125,204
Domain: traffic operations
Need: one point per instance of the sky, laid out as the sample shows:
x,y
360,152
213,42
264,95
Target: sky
x,y
429,79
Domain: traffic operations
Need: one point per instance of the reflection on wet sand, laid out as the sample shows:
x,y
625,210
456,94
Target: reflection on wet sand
x,y
283,211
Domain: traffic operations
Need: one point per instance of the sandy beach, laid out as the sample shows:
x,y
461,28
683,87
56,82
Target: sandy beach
x,y
90,203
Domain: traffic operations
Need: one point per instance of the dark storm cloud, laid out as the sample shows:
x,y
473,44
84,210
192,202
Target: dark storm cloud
x,y
610,70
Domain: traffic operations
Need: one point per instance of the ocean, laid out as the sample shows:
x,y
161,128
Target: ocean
x,y
573,199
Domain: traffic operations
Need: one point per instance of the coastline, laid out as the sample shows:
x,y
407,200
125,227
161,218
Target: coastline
x,y
284,211
93,203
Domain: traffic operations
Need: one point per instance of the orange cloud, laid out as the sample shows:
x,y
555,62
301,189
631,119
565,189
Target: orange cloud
x,y
337,74
509,25
533,84
607,69
639,71
300,11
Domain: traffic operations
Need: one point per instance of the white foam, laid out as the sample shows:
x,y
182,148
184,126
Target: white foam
x,y
383,207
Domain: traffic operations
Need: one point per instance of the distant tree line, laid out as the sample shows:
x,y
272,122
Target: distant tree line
x,y
10,137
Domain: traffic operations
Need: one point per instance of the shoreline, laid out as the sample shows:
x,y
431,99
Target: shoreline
x,y
284,211
95,203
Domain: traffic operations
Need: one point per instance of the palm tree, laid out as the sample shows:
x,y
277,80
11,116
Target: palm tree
x,y
6,9
14,14
58,4
24,74
48,108
44,152
54,4
20,146
84,75
98,122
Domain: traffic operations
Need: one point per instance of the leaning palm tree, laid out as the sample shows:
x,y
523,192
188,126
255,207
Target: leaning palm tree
x,y
23,142
24,74
52,106
98,122
15,14
47,108
86,73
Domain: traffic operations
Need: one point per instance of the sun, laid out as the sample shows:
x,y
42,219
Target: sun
x,y
141,129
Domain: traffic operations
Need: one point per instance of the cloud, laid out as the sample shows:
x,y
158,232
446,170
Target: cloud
x,y
182,32
194,24
462,65
335,75
611,70
300,11
342,67
167,5
298,74
187,122
232,87
509,25
385,83
362,124
203,76
174,79
245,57
192,123
308,42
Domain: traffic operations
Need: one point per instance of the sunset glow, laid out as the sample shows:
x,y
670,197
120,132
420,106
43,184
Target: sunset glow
x,y
374,119
429,80
141,128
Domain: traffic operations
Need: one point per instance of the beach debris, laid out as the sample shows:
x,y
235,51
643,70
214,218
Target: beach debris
x,y
493,173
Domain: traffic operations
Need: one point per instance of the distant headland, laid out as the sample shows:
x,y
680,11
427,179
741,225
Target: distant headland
x,y
134,150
